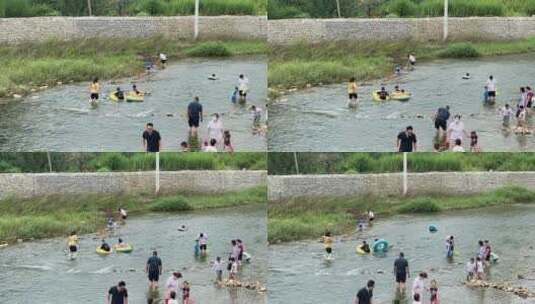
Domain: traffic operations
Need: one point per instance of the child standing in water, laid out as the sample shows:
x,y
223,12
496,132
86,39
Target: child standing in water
x,y
217,267
480,269
328,244
470,269
203,241
73,243
233,268
433,290
185,292
352,92
197,248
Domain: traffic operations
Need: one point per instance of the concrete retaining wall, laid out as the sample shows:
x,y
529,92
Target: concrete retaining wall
x,y
42,184
403,29
15,30
285,187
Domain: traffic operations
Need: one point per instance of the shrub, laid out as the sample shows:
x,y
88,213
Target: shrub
x,y
420,205
529,7
460,50
402,8
171,204
209,49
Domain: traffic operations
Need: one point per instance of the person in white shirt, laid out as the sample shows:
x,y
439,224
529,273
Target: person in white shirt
x,y
215,129
521,120
203,242
418,286
243,87
470,269
491,89
217,267
480,269
506,112
163,59
172,284
212,147
458,146
456,130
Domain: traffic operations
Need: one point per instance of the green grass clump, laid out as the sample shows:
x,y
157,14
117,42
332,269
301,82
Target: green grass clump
x,y
171,204
307,218
43,217
209,49
460,50
420,205
463,8
402,8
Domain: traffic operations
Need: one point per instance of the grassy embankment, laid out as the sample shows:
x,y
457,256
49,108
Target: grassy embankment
x,y
30,66
32,8
351,163
51,216
12,162
301,65
299,219
280,9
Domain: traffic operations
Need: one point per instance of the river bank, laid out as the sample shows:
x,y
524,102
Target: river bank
x,y
300,218
51,216
301,66
30,67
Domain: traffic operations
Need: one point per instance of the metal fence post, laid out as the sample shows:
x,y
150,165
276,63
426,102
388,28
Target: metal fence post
x,y
157,173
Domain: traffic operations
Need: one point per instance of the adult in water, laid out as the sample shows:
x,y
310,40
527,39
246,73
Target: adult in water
x,y
243,86
172,285
491,89
154,269
456,131
215,129
401,272
94,90
151,139
407,140
194,115
365,294
117,294
441,119
352,91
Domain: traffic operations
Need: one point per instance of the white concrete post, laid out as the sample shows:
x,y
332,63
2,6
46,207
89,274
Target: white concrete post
x,y
89,8
296,163
196,21
405,175
338,8
157,175
445,20
49,161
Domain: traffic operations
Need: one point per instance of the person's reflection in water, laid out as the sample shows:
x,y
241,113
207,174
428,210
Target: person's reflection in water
x,y
153,296
194,143
233,295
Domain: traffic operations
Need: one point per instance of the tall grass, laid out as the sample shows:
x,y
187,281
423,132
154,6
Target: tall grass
x,y
186,7
351,163
115,161
301,218
30,65
463,8
51,216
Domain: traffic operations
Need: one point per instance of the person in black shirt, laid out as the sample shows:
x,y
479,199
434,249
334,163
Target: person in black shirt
x,y
401,271
154,270
194,115
441,118
118,294
151,139
365,295
406,141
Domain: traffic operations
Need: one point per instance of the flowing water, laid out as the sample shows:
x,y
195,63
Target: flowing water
x,y
61,119
299,273
318,119
39,272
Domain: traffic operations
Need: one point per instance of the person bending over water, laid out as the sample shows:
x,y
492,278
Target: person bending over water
x,y
117,294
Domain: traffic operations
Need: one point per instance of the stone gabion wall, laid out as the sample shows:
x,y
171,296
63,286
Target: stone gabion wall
x,y
16,30
43,184
285,187
399,29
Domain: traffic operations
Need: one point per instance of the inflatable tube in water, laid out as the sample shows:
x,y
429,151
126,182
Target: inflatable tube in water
x,y
494,258
126,249
102,252
360,251
380,246
432,228
401,96
133,97
376,97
